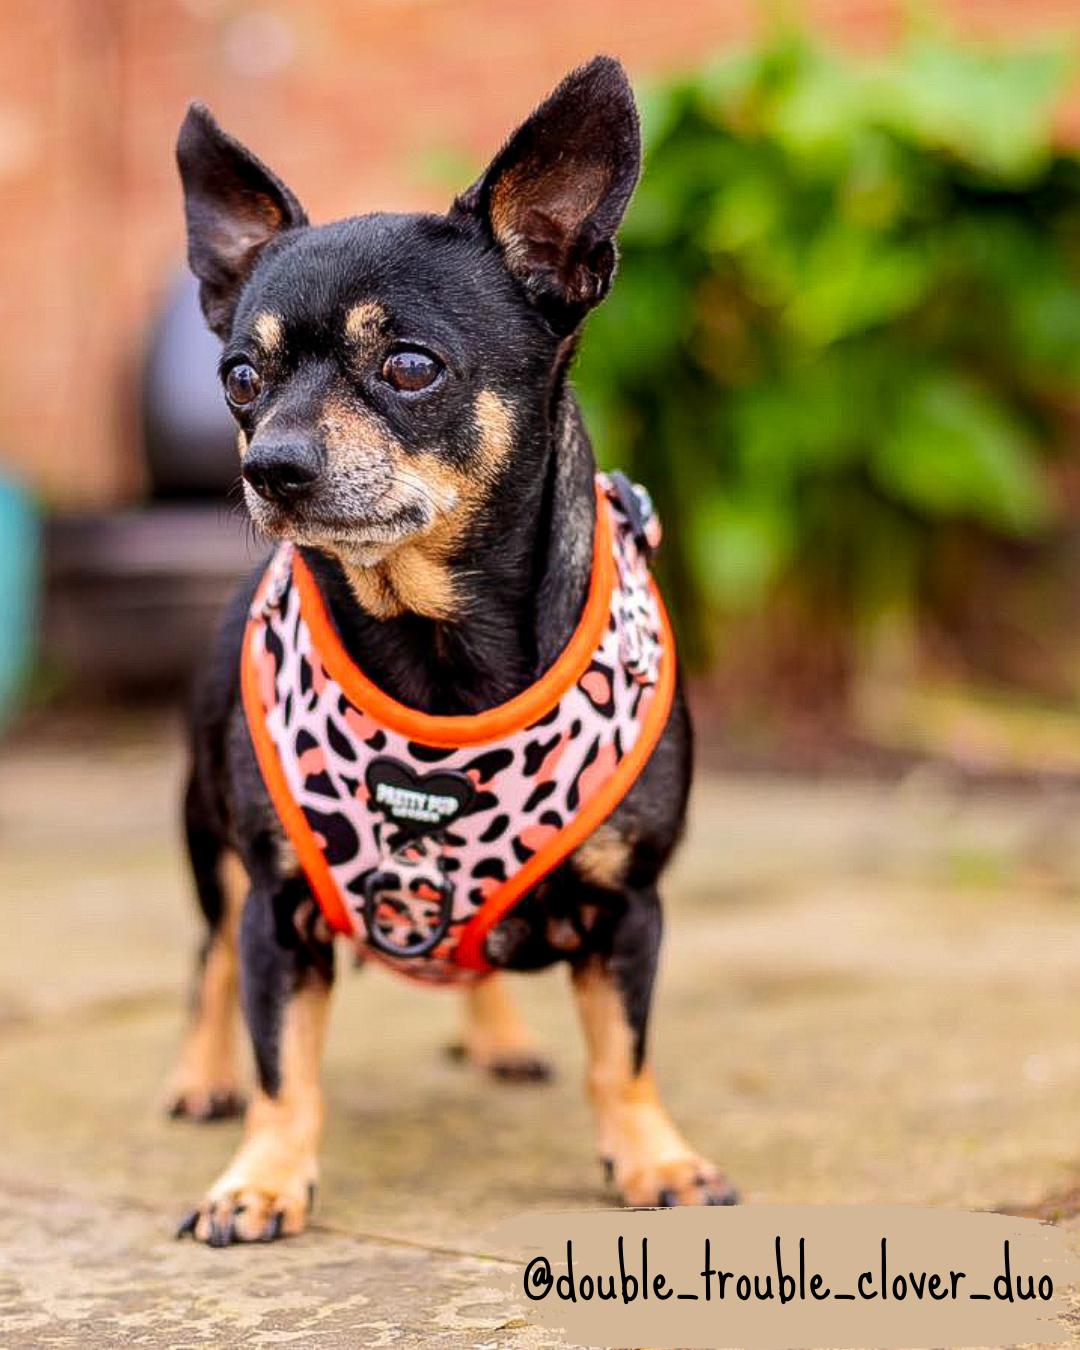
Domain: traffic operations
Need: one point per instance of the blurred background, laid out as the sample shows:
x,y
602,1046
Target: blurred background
x,y
843,352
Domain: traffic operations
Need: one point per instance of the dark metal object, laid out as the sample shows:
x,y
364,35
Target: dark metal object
x,y
189,435
380,889
636,506
132,597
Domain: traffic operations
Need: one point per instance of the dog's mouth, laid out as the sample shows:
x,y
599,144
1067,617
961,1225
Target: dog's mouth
x,y
361,540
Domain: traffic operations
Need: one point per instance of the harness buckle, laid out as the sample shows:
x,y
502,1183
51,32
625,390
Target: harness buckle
x,y
636,506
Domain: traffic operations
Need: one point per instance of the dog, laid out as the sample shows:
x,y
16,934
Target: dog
x,y
409,438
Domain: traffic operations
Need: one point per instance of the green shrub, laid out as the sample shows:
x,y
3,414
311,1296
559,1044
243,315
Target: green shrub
x,y
846,323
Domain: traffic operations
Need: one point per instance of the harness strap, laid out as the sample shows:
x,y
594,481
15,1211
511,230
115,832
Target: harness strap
x,y
470,948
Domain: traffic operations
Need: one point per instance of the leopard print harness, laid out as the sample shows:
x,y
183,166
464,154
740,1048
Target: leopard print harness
x,y
419,833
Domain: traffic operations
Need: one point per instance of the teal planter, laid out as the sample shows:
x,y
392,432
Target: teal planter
x,y
20,580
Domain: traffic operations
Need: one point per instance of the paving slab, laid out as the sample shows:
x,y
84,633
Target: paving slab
x,y
870,993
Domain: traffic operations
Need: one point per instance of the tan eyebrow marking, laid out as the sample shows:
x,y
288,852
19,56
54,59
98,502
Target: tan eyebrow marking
x,y
267,328
364,323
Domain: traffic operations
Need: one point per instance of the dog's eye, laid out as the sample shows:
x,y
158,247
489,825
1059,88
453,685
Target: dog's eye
x,y
242,385
409,370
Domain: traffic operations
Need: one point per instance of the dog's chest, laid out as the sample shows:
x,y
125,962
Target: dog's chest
x,y
419,834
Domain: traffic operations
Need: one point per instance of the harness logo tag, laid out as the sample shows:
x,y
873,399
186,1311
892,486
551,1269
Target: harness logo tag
x,y
417,803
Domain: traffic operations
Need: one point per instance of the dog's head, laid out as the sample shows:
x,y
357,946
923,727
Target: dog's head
x,y
388,371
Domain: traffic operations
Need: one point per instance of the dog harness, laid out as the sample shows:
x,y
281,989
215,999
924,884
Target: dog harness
x,y
419,833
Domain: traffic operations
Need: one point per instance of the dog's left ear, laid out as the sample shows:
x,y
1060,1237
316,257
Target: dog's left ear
x,y
553,197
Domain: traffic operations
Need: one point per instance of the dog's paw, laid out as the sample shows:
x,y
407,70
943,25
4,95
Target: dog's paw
x,y
517,1064
266,1193
203,1104
686,1180
248,1214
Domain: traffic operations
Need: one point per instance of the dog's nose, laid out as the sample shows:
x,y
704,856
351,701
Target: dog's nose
x,y
282,473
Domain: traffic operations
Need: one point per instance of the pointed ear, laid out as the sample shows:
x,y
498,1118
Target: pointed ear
x,y
234,207
553,197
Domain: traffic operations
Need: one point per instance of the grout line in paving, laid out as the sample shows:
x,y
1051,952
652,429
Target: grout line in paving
x,y
124,1201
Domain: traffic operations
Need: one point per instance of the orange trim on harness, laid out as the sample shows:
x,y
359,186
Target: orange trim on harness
x,y
469,951
310,855
471,728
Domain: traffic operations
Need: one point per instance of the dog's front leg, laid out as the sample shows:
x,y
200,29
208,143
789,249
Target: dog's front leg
x,y
268,1188
641,1149
495,1037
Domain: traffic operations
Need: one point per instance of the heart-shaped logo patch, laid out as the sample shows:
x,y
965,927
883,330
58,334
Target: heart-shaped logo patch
x,y
418,803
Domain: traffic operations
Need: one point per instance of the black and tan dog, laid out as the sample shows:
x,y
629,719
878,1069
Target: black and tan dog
x,y
400,387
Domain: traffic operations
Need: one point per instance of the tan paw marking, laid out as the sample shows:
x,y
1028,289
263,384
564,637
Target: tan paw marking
x,y
644,1153
267,1190
259,1198
685,1180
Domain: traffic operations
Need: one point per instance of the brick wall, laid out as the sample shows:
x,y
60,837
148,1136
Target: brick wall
x,y
358,106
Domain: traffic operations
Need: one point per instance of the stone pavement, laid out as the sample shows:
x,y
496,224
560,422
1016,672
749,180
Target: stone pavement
x,y
870,993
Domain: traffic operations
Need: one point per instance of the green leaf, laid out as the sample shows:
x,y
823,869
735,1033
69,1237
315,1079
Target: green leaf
x,y
951,449
991,109
854,279
738,549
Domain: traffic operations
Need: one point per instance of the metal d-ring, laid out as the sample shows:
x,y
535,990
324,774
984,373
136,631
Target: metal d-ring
x,y
374,888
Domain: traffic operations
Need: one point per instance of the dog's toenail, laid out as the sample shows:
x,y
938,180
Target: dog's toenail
x,y
187,1224
219,1233
273,1229
520,1070
668,1197
608,1164
728,1197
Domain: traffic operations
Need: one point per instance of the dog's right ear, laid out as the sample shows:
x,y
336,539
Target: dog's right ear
x,y
234,206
